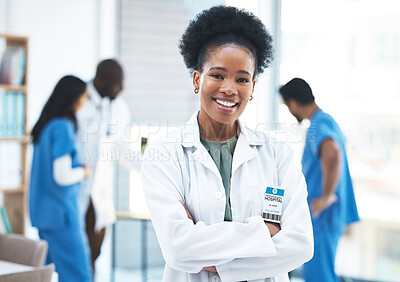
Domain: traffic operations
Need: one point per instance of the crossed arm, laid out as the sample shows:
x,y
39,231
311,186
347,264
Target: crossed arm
x,y
265,250
273,228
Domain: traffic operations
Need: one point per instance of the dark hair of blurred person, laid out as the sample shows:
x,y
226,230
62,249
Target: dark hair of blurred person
x,y
63,102
298,90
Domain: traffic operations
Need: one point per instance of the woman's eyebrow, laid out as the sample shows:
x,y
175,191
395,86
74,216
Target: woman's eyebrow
x,y
244,72
224,69
217,68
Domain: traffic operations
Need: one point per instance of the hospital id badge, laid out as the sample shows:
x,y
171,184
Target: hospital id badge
x,y
272,206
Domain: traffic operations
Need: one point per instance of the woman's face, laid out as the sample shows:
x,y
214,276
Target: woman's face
x,y
81,100
225,84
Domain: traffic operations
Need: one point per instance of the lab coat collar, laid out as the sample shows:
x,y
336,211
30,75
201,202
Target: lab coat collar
x,y
243,152
191,133
94,95
191,139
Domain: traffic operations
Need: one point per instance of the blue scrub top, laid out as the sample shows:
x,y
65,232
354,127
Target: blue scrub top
x,y
343,211
51,205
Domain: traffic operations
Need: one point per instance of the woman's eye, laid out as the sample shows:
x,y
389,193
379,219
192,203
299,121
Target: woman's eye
x,y
243,80
217,76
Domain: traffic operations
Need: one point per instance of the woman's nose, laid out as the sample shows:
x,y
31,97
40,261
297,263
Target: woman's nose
x,y
228,87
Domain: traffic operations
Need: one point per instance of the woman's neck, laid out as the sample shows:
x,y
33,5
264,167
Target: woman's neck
x,y
214,131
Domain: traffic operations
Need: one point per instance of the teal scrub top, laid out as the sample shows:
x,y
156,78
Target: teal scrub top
x,y
222,154
51,205
343,211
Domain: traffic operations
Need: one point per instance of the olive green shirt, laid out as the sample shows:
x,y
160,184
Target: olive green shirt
x,y
222,154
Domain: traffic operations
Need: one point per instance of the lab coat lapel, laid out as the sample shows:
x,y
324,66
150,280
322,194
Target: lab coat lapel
x,y
244,151
191,141
202,155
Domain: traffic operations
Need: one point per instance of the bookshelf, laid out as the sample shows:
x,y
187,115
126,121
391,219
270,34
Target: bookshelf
x,y
13,132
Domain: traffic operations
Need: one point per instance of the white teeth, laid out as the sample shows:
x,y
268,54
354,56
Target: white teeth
x,y
225,103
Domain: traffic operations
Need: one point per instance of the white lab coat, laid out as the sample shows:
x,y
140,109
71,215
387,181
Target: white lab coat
x,y
178,167
102,125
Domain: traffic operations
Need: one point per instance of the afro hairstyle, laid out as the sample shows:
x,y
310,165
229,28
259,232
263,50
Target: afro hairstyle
x,y
222,25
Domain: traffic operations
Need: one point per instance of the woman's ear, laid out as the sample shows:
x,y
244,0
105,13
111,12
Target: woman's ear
x,y
254,84
196,79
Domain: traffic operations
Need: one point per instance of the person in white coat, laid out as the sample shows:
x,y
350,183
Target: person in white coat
x,y
103,122
227,203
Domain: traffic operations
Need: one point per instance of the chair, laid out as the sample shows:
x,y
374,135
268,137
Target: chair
x,y
38,274
19,249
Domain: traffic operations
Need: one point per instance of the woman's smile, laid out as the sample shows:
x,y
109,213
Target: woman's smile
x,y
225,105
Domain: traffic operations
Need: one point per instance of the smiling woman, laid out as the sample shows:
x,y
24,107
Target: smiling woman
x,y
225,86
206,189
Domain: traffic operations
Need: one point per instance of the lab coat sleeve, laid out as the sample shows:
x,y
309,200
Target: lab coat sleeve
x,y
186,246
294,243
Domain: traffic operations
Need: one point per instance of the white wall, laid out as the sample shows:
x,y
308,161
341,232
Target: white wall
x,y
63,39
108,28
3,17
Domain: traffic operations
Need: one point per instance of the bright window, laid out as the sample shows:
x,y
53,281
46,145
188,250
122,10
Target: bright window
x,y
349,53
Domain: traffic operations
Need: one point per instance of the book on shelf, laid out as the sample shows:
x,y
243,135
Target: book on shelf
x,y
20,114
2,226
5,226
3,47
12,114
3,108
13,65
10,165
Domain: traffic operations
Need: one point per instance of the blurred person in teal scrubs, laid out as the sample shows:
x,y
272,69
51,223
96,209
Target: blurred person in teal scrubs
x,y
55,182
330,189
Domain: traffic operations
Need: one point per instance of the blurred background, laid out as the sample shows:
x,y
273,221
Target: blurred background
x,y
347,50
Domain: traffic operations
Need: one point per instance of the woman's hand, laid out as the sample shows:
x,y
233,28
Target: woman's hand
x,y
274,228
320,204
187,211
210,269
87,170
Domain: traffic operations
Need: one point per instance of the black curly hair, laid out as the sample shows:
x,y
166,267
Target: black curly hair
x,y
222,25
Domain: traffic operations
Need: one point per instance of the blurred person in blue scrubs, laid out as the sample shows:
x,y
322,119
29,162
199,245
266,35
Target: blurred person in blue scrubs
x,y
330,189
55,182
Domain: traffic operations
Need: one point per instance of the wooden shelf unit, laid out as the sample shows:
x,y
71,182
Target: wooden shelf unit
x,y
13,88
15,200
22,139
